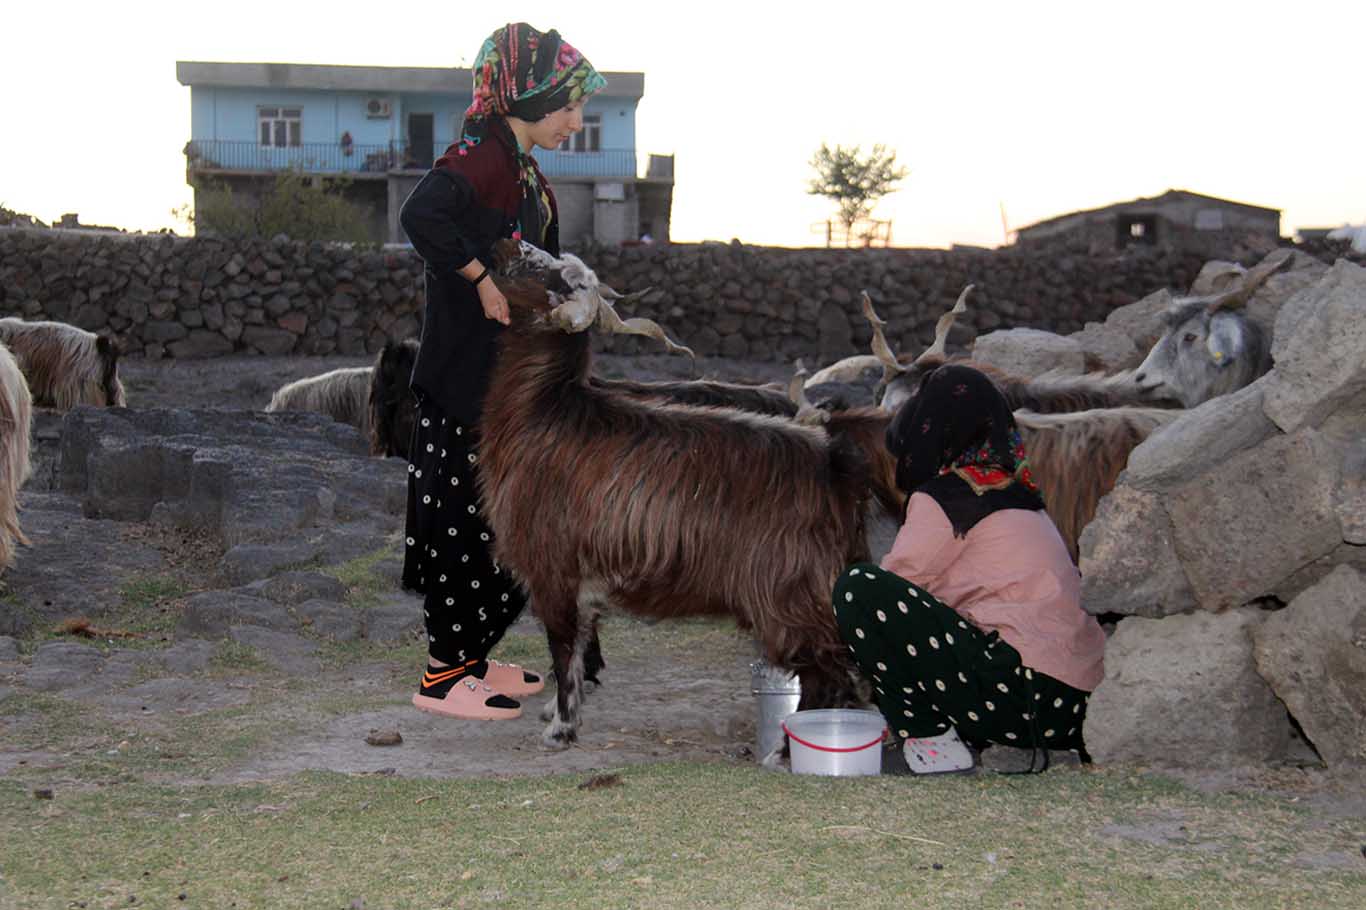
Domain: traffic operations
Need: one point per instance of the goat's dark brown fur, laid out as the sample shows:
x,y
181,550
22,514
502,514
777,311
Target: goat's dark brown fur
x,y
758,399
662,509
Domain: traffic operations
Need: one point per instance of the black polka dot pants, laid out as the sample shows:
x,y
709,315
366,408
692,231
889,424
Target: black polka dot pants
x,y
469,602
931,668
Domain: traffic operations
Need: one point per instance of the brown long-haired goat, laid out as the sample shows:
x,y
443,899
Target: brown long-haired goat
x,y
663,509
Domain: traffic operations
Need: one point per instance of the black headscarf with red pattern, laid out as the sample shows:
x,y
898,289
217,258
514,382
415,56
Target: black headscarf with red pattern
x,y
956,440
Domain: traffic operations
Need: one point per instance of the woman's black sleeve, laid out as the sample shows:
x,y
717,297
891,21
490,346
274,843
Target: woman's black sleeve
x,y
438,217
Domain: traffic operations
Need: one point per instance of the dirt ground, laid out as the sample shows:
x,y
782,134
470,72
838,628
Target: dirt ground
x,y
671,690
266,710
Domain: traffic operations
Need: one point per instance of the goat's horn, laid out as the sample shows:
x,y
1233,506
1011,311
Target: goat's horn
x,y
1254,279
611,322
881,350
941,329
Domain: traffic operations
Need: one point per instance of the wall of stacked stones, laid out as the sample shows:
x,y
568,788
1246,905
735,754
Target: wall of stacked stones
x,y
166,296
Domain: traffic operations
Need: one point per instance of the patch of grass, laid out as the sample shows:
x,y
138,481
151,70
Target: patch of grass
x,y
40,722
670,835
234,658
364,585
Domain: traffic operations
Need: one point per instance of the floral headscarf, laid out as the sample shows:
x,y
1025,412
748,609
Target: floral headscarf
x,y
956,440
523,73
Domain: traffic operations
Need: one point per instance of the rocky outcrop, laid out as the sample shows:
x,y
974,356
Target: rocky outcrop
x,y
278,489
1254,498
1313,653
1184,691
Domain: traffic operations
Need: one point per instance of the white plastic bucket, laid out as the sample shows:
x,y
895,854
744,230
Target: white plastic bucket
x,y
837,742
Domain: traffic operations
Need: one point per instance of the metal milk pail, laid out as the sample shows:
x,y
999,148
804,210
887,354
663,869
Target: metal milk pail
x,y
777,692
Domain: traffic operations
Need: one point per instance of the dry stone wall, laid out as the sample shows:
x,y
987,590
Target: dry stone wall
x,y
167,296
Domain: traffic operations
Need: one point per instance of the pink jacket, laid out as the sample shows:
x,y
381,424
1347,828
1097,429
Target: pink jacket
x,y
1011,574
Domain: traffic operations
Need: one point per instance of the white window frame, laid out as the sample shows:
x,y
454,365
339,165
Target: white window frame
x,y
588,139
280,127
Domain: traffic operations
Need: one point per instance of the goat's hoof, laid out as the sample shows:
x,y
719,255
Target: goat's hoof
x,y
548,712
558,737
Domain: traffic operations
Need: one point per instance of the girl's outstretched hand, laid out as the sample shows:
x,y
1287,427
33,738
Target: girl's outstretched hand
x,y
494,303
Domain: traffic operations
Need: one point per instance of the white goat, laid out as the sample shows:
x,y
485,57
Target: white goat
x,y
64,365
16,412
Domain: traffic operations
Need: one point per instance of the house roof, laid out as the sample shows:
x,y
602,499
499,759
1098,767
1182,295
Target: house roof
x,y
1153,200
375,79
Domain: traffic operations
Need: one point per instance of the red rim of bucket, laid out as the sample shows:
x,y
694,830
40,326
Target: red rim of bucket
x,y
880,737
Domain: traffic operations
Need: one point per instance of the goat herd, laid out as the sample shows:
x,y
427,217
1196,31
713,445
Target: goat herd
x,y
691,497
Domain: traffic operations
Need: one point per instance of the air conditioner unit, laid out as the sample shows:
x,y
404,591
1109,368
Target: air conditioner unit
x,y
377,109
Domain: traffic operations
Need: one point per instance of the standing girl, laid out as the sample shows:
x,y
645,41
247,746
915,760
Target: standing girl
x,y
529,90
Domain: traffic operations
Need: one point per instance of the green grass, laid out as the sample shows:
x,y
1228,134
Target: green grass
x,y
364,585
671,835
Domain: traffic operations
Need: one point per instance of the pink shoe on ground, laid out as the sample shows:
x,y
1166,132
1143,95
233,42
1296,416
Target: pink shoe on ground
x,y
512,680
455,693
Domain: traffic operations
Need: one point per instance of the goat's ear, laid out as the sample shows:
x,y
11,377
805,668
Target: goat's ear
x,y
1227,338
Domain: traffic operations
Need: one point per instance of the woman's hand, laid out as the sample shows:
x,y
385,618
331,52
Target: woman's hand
x,y
494,303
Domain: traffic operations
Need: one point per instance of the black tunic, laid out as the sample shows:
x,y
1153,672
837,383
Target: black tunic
x,y
457,211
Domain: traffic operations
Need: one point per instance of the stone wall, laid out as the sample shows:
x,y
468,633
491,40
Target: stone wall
x,y
161,295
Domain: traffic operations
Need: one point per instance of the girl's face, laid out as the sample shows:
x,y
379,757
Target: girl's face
x,y
553,129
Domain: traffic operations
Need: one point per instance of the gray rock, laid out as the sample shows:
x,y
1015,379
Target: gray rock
x,y
1242,528
1320,349
9,649
62,665
283,650
1200,439
248,562
269,341
1349,497
331,620
200,343
1128,558
1182,691
189,656
1028,352
212,613
1313,653
1106,348
300,586
397,620
1141,321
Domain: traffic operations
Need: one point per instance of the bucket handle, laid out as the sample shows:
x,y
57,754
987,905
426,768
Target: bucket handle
x,y
880,737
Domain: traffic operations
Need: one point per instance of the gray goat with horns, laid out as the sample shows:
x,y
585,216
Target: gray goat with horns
x,y
1209,347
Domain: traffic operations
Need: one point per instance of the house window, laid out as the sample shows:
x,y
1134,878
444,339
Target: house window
x,y
280,127
589,139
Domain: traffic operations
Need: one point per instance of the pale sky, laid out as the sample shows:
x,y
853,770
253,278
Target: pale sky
x,y
1038,107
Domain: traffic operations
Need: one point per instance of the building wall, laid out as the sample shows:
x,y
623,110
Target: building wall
x,y
1178,222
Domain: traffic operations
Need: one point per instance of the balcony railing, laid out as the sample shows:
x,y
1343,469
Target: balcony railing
x,y
334,158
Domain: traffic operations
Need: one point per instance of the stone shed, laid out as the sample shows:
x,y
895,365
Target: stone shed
x,y
1176,220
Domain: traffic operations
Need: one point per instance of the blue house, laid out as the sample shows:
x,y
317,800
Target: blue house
x,y
382,127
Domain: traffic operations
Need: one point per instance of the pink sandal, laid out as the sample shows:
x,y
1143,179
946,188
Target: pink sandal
x,y
466,698
512,680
